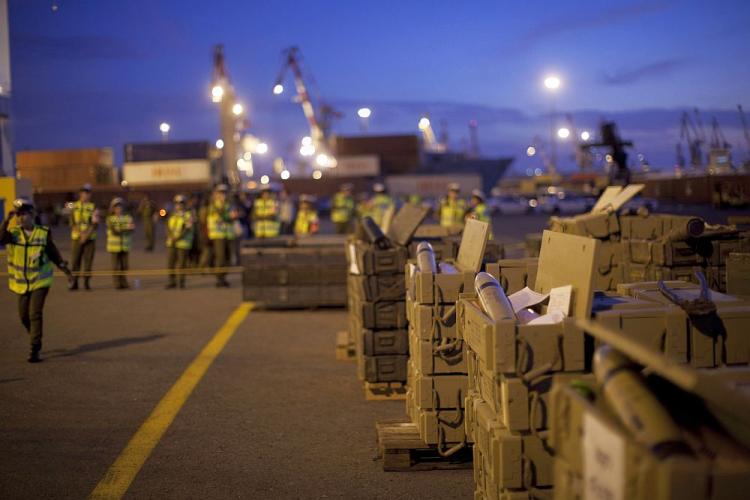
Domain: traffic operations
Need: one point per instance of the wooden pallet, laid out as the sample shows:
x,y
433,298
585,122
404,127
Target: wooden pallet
x,y
344,349
402,450
385,391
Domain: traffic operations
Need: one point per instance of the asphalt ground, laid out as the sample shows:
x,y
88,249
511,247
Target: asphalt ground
x,y
274,416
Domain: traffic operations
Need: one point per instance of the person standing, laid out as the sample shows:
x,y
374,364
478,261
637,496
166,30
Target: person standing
x,y
307,222
286,212
219,221
30,255
179,241
266,214
84,222
342,209
380,204
478,210
452,209
147,211
120,228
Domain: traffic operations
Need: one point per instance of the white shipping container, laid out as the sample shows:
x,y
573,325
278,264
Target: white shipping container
x,y
167,172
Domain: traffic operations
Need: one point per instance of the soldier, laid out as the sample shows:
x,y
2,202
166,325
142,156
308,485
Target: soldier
x,y
307,222
478,209
219,221
342,209
286,212
179,240
30,255
452,209
84,221
266,214
380,204
147,211
120,228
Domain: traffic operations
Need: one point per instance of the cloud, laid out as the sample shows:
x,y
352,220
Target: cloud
x,y
652,70
74,47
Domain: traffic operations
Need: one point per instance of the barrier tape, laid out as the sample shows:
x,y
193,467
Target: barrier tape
x,y
152,272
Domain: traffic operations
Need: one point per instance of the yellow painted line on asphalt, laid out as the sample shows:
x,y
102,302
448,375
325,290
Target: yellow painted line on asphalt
x,y
120,475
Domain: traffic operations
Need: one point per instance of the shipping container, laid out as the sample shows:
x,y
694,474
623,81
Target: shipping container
x,y
166,151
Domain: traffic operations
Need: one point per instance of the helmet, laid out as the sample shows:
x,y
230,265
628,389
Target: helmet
x,y
378,187
23,205
116,201
454,186
478,193
347,187
306,198
179,199
86,187
221,188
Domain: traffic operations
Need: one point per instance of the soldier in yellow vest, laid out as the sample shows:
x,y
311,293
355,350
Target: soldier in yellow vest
x,y
179,240
379,204
478,210
307,222
219,220
452,209
84,220
120,228
266,214
30,255
342,209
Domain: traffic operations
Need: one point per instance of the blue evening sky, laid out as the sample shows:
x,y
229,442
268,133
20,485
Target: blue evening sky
x,y
106,72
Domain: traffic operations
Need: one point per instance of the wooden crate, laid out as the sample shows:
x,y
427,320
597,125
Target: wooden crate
x,y
401,449
384,391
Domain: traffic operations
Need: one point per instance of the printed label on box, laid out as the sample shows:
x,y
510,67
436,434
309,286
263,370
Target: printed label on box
x,y
353,268
603,461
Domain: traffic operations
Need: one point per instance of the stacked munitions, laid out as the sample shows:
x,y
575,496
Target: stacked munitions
x,y
312,273
376,291
511,367
437,371
627,435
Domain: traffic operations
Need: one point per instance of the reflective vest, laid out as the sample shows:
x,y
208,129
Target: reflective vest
x,y
180,231
82,218
29,267
266,218
218,221
480,212
379,205
306,223
343,208
119,233
452,212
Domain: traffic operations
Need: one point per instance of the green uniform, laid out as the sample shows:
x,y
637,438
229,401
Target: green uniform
x,y
180,233
452,213
342,211
83,222
266,218
119,242
306,222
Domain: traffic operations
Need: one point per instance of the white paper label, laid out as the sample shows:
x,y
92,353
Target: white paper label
x,y
559,299
353,267
526,298
603,461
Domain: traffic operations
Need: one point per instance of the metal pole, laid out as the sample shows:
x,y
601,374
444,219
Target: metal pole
x,y
553,142
227,125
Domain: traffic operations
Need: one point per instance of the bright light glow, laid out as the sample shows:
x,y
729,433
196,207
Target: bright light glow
x,y
164,127
552,82
364,112
563,133
265,180
251,184
219,144
217,93
261,148
285,174
237,109
317,174
325,161
242,164
278,89
424,123
307,150
530,151
163,212
608,158
307,141
247,155
585,135
537,171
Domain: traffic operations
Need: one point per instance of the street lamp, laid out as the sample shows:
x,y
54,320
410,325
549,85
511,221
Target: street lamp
x,y
261,148
278,89
552,83
219,144
217,93
424,123
530,151
237,109
563,133
164,128
585,135
364,115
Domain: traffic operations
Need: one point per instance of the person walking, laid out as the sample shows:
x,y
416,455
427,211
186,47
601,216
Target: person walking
x,y
219,222
179,241
266,214
307,222
30,255
452,209
147,211
342,209
120,228
84,222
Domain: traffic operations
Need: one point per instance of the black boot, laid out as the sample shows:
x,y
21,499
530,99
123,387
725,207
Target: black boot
x,y
34,357
73,285
87,284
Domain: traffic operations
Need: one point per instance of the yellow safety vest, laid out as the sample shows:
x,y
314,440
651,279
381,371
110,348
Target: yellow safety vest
x,y
29,268
82,218
452,212
379,206
218,222
266,218
119,236
343,208
180,231
303,225
481,213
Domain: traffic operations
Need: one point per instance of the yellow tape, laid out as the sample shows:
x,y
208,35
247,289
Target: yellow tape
x,y
153,272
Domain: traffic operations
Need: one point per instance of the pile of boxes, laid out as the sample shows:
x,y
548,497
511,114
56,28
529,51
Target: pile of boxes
x,y
298,274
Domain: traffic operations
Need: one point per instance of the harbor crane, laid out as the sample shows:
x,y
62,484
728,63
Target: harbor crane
x,y
320,122
693,138
230,112
620,172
